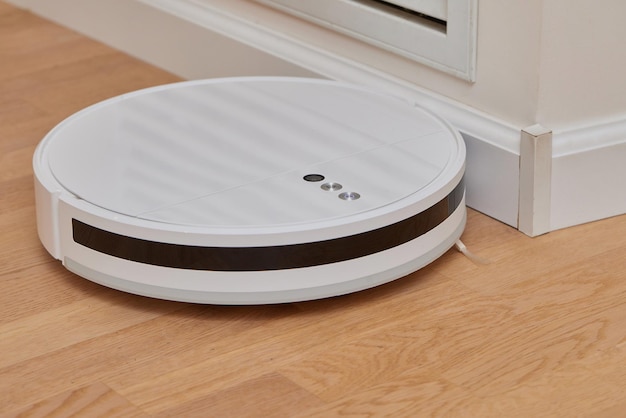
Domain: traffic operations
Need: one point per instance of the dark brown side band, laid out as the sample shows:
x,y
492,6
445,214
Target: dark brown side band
x,y
267,258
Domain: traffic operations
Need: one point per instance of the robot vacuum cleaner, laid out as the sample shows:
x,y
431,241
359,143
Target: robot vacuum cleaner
x,y
249,190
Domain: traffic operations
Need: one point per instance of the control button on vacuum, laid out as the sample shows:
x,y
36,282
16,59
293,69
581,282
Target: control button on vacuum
x,y
349,196
331,186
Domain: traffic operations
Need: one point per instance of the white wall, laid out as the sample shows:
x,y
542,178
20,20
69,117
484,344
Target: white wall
x,y
583,62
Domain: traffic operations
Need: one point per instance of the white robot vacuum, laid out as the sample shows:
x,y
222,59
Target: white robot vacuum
x,y
249,190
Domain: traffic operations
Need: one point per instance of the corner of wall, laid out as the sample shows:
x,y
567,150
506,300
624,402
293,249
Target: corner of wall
x,y
535,180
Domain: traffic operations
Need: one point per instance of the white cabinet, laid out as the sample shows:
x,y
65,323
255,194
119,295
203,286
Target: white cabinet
x,y
439,33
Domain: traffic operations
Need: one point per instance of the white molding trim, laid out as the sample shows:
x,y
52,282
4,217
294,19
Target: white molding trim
x,y
588,138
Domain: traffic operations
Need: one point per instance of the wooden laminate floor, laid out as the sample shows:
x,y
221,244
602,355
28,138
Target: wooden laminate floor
x,y
539,332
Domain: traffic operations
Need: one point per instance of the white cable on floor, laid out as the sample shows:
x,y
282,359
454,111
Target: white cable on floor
x,y
467,253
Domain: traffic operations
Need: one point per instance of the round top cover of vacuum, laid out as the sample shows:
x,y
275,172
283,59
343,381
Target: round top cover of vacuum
x,y
258,154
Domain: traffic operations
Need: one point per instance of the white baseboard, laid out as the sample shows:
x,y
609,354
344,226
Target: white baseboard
x,y
198,39
588,174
